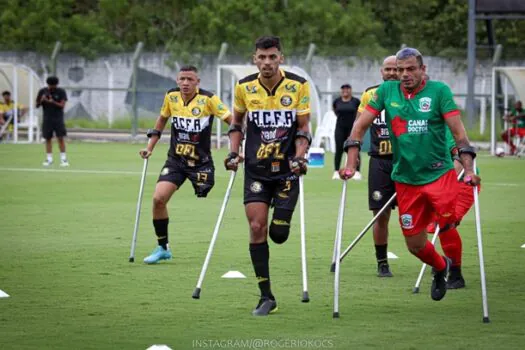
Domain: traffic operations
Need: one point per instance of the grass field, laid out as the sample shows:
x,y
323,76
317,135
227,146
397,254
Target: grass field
x,y
64,247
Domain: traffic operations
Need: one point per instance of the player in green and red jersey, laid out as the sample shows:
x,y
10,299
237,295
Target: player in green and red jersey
x,y
417,114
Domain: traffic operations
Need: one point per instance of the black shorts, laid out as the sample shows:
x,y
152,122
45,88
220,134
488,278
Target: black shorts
x,y
56,126
202,177
380,184
276,193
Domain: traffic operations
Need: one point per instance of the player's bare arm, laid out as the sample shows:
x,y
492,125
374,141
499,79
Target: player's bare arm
x,y
302,141
154,136
236,135
466,152
353,143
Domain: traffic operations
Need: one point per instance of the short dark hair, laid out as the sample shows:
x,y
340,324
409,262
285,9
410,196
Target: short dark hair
x,y
52,80
408,52
6,93
267,42
189,68
346,86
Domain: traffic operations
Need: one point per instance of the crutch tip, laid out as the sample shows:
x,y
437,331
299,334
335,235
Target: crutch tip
x,y
131,259
415,290
306,297
332,268
336,315
486,320
196,293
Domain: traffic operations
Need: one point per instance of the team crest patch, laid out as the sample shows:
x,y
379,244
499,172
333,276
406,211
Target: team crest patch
x,y
196,111
377,196
406,221
256,187
286,100
165,171
424,104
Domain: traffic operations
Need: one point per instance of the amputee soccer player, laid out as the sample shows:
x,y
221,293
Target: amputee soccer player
x,y
417,114
190,111
380,184
277,105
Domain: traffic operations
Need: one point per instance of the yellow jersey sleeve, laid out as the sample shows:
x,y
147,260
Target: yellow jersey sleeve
x,y
303,106
365,98
165,109
239,104
218,108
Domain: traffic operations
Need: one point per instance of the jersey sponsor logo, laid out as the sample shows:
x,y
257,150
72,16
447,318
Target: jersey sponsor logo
x,y
272,119
196,111
425,104
252,89
305,99
220,107
380,119
417,126
190,124
201,101
382,133
406,221
291,87
256,187
286,100
255,102
165,171
399,126
174,99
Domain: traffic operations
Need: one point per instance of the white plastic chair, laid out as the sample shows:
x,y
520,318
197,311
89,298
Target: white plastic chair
x,y
324,135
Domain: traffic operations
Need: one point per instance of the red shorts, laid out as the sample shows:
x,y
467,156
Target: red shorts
x,y
513,132
465,200
418,203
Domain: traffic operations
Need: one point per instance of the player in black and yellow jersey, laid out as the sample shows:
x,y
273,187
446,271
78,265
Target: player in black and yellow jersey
x,y
276,104
190,110
380,185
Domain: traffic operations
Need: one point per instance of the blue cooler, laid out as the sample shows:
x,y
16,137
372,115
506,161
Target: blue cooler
x,y
316,158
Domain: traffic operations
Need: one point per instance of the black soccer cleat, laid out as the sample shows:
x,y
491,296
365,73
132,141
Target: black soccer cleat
x,y
383,270
265,307
455,278
439,281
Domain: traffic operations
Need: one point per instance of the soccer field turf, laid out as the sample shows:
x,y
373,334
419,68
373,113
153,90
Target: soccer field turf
x,y
64,247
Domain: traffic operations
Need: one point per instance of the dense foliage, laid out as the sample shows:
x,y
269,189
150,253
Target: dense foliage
x,y
338,27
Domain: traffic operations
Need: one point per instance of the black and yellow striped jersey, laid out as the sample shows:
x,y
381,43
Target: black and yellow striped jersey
x,y
380,144
191,124
271,123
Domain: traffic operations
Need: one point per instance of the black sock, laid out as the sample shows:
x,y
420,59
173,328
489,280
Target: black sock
x,y
161,230
381,253
260,254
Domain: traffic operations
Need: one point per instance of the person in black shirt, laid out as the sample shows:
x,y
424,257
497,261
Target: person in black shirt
x,y
345,108
53,100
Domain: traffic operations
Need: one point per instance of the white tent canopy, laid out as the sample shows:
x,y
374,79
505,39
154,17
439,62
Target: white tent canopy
x,y
237,72
23,83
516,77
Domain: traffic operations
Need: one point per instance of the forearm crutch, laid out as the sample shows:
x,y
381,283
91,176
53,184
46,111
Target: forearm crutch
x,y
338,238
137,214
197,291
306,297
